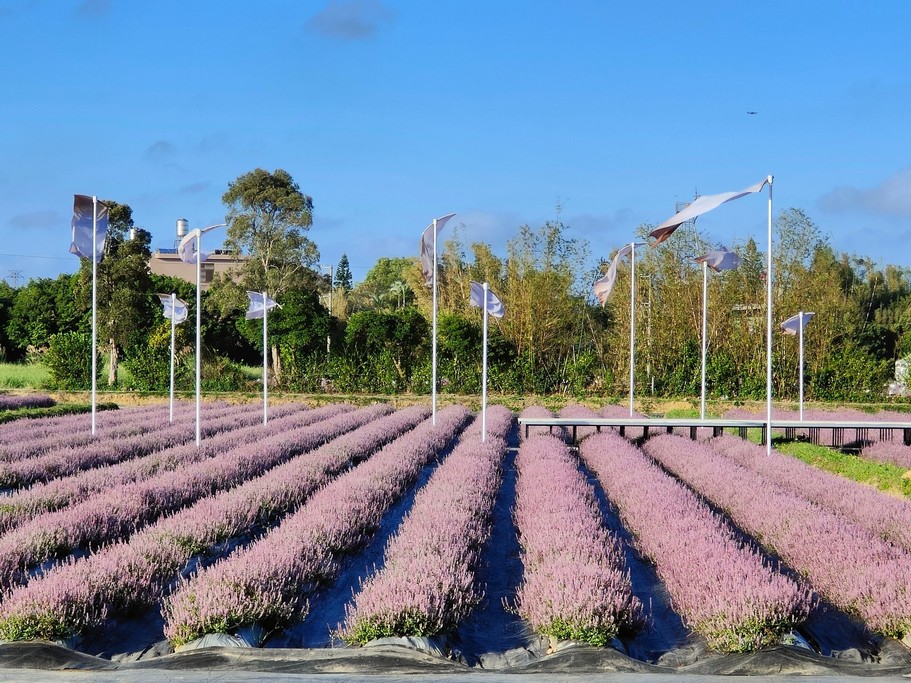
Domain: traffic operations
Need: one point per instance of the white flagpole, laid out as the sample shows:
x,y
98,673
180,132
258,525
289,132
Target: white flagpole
x,y
632,327
173,329
198,325
434,359
768,379
265,362
801,366
94,304
705,291
484,374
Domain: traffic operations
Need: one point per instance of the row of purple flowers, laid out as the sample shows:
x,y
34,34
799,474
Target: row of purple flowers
x,y
82,593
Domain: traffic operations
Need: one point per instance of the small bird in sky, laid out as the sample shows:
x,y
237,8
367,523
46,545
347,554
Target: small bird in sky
x,y
752,112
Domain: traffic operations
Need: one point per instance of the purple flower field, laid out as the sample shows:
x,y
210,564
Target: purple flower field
x,y
137,530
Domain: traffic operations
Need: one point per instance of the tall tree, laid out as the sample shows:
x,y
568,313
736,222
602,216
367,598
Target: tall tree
x,y
343,274
268,217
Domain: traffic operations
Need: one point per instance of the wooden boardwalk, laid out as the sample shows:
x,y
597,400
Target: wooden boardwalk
x,y
840,431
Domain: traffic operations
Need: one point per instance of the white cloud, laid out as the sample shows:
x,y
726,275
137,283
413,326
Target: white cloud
x,y
892,197
350,19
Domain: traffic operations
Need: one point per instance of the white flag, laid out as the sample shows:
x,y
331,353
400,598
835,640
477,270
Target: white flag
x,y
180,308
257,309
792,324
604,285
186,250
427,248
494,305
83,220
698,207
720,259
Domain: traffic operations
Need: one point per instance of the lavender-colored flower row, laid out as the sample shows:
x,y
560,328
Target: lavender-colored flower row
x,y
32,401
44,497
268,581
575,583
109,515
612,410
81,593
574,410
721,588
428,583
855,569
826,436
889,452
28,438
885,516
67,461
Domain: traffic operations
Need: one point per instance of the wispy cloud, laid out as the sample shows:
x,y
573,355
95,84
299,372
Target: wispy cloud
x,y
892,197
350,19
160,150
38,220
92,9
194,188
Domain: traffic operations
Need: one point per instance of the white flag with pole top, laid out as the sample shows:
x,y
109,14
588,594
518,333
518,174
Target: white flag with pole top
x,y
190,251
490,304
90,228
795,325
176,311
260,305
428,248
603,287
703,205
718,260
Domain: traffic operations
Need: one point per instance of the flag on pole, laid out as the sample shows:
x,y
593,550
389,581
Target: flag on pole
x,y
698,207
604,285
719,259
84,219
427,255
257,307
792,324
186,250
494,305
179,312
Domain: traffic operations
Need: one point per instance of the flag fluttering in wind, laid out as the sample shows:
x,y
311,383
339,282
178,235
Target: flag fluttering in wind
x,y
494,305
89,216
257,308
700,206
490,303
719,259
795,325
792,324
428,255
604,285
188,246
178,312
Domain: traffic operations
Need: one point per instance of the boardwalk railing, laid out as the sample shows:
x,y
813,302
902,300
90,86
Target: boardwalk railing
x,y
861,430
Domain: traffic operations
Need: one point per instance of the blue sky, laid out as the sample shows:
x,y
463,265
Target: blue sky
x,y
391,112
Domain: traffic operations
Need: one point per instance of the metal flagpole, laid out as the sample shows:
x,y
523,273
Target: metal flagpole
x,y
801,364
484,374
198,325
705,291
265,362
173,330
94,304
632,327
434,359
768,378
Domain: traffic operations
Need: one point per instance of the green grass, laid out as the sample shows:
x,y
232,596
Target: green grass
x,y
883,476
23,376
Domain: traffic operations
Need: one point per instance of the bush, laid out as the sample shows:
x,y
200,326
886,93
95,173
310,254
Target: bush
x,y
69,360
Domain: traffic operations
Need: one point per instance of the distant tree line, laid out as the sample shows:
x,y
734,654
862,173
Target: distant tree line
x,y
555,338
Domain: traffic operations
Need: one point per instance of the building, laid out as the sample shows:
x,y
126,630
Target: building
x,y
167,262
